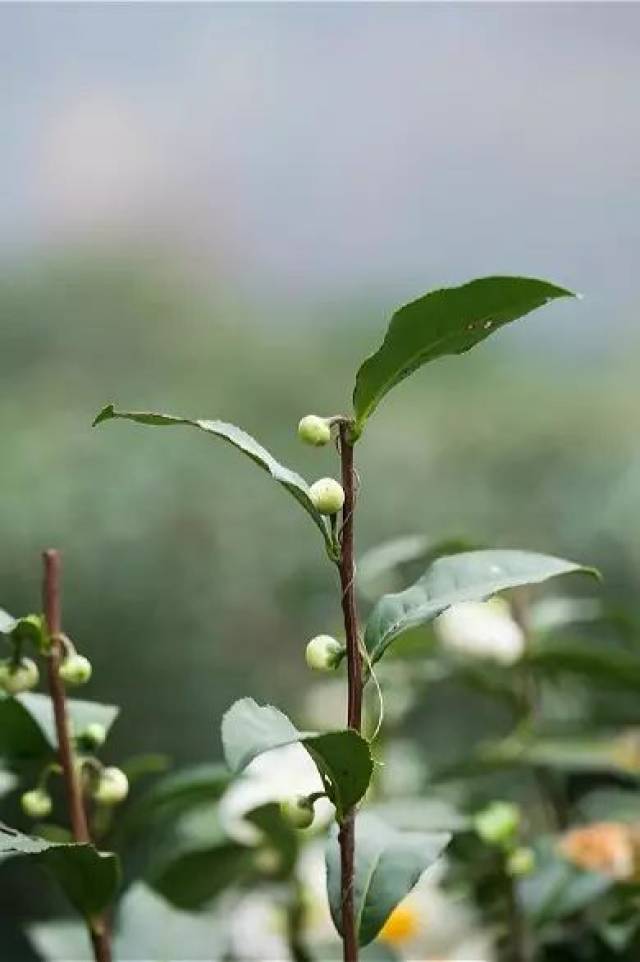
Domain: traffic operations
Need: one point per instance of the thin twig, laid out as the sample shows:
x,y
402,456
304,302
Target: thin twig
x,y
51,597
346,835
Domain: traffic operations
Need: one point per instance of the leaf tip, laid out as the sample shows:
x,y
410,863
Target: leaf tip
x,y
106,414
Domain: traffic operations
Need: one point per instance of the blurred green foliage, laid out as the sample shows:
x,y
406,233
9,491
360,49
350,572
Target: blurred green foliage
x,y
186,574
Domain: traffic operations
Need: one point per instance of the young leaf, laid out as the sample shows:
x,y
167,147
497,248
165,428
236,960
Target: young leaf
x,y
289,480
447,321
388,864
468,576
342,758
88,877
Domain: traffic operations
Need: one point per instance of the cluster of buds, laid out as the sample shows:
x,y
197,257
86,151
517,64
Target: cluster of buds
x,y
499,825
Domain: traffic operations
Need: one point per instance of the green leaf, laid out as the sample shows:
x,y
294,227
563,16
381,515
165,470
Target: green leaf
x,y
88,877
342,758
468,576
604,664
447,321
388,864
178,792
289,480
393,564
27,727
196,861
557,889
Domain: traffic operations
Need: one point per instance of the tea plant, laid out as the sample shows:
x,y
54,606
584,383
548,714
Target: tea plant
x,y
59,738
372,866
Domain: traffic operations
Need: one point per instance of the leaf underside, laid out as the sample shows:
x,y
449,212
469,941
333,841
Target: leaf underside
x,y
288,479
467,576
27,727
388,863
342,758
447,321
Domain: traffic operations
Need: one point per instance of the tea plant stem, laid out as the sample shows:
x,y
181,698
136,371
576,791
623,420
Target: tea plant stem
x,y
51,596
354,675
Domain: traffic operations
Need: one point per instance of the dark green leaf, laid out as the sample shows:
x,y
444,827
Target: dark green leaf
x,y
289,480
280,836
605,665
180,791
196,860
447,321
468,576
610,805
388,864
343,758
89,878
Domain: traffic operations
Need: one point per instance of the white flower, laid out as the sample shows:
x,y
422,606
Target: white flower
x,y
431,924
481,629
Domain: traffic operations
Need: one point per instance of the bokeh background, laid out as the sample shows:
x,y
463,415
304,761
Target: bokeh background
x,y
211,209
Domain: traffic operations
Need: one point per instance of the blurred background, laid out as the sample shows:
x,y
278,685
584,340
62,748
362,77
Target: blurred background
x,y
212,209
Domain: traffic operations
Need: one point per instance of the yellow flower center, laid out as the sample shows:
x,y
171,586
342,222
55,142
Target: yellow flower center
x,y
402,925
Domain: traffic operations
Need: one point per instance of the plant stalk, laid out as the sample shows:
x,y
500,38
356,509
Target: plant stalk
x,y
51,597
346,835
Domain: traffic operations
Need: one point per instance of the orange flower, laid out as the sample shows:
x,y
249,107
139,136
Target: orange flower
x,y
611,848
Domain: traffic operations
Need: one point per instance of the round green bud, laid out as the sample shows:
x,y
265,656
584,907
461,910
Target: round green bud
x,y
327,495
323,653
36,803
17,678
75,670
498,823
94,735
298,811
314,430
522,861
112,786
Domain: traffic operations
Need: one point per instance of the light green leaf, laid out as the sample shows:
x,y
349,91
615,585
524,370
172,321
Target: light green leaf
x,y
388,864
342,758
289,480
27,727
468,576
447,321
393,564
88,877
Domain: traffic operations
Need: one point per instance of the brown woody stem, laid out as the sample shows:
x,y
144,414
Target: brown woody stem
x,y
346,835
51,598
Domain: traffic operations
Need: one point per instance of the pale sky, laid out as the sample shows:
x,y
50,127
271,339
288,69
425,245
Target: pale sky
x,y
321,148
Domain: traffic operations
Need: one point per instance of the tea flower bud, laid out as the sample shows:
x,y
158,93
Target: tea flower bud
x,y
94,735
18,678
36,803
327,495
112,786
498,823
323,653
521,861
314,430
75,670
298,811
